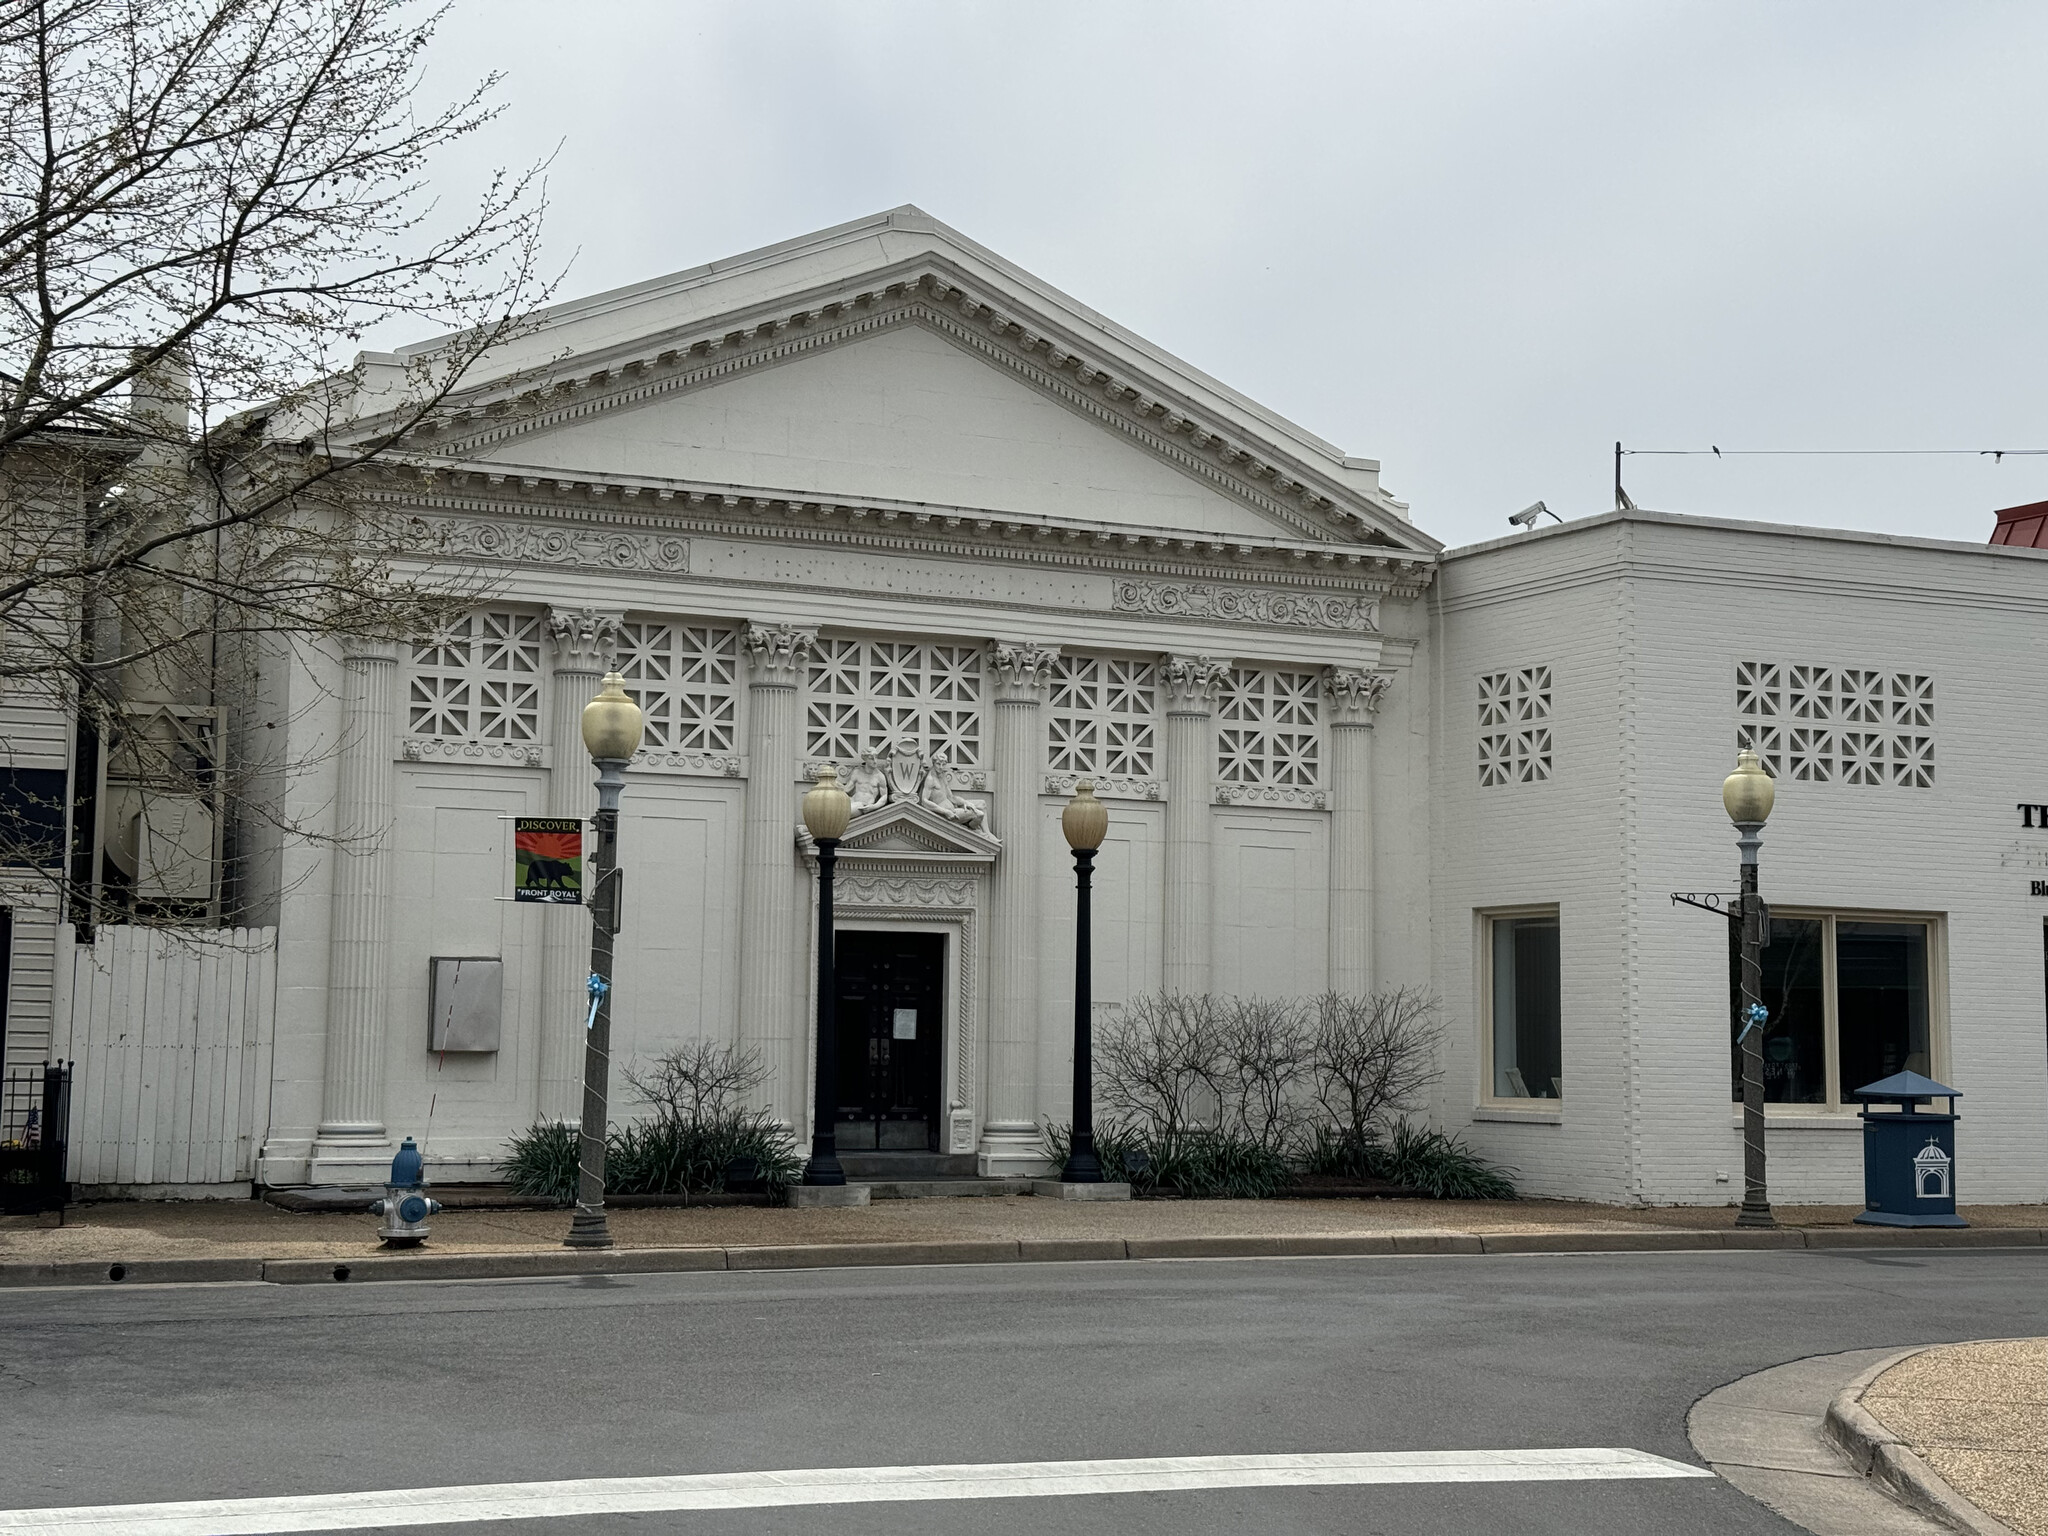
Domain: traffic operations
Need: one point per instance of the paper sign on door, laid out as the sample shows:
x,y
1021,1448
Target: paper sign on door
x,y
906,1024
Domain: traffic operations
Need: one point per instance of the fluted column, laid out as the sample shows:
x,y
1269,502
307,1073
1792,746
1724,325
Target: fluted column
x,y
1010,1136
351,1146
772,942
1191,684
583,641
1353,699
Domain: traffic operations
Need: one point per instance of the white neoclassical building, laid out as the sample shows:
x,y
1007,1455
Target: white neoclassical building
x,y
878,498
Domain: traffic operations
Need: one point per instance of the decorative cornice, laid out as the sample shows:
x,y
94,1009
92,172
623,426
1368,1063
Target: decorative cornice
x,y
1022,672
1245,605
1272,794
1107,788
430,749
1354,696
609,502
1271,476
776,654
527,543
584,639
703,765
1191,682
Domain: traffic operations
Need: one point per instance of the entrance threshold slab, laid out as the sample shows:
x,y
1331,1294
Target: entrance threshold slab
x,y
806,1196
1059,1189
942,1189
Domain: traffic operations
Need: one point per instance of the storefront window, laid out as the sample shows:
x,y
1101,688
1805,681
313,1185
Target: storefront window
x,y
1849,1004
1527,1049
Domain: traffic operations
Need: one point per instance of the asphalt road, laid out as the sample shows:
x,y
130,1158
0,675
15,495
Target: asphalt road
x,y
173,1392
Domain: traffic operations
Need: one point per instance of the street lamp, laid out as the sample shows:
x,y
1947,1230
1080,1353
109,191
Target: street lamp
x,y
827,809
1084,822
611,734
1748,794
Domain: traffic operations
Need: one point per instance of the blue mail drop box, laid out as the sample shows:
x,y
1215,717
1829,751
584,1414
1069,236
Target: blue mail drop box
x,y
1909,1154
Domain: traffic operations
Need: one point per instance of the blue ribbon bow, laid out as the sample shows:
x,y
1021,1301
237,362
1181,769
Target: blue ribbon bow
x,y
1752,1018
597,987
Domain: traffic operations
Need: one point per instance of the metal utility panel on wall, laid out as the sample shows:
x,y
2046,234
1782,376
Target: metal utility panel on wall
x,y
466,1002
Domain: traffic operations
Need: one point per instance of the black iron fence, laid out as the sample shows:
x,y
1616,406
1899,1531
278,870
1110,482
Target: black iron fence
x,y
35,1117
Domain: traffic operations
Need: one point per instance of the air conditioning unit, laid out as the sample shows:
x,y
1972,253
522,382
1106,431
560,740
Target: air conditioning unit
x,y
173,842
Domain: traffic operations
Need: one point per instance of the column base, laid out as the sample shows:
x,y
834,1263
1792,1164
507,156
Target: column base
x,y
351,1160
1013,1151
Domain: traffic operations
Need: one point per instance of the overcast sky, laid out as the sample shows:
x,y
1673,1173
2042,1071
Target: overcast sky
x,y
1478,242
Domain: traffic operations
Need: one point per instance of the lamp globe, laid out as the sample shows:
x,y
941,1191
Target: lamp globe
x,y
1748,792
827,807
1086,819
611,723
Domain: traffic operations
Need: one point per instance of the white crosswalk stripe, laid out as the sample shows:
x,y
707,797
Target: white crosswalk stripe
x,y
585,1497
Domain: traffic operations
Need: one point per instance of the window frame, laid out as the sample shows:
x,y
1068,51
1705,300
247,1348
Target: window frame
x,y
1833,1107
1482,949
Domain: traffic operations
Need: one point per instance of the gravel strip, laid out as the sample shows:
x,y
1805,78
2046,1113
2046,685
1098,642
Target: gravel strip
x,y
1978,1415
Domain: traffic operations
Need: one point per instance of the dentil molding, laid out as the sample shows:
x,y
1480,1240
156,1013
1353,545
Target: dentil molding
x,y
1245,605
608,549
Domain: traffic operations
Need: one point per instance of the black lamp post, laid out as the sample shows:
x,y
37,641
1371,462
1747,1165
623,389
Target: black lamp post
x,y
827,809
611,734
1084,822
1748,794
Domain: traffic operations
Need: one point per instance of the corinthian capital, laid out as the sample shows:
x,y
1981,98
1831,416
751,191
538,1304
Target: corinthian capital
x,y
1191,681
584,639
777,654
1022,671
1354,696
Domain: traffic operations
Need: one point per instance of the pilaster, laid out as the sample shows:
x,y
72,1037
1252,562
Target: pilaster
x,y
1353,700
583,642
351,1146
772,948
1191,683
1011,1140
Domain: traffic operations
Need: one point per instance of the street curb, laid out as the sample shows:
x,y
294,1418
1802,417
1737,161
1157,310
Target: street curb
x,y
1877,1453
624,1261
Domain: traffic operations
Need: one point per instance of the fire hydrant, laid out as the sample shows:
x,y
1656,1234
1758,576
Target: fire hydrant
x,y
405,1206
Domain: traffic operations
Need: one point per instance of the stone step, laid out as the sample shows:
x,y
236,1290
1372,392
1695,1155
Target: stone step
x,y
941,1189
907,1165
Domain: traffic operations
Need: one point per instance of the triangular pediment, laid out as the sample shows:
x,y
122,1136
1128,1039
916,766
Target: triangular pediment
x,y
896,361
908,830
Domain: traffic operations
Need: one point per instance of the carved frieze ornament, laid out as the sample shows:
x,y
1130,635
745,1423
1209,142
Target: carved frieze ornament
x,y
1022,671
608,549
1246,605
904,775
1191,681
777,653
1354,696
583,639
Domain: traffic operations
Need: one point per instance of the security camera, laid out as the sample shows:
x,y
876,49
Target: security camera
x,y
1526,518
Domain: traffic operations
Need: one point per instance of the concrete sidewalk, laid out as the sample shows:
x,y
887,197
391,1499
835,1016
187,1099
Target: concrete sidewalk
x,y
251,1239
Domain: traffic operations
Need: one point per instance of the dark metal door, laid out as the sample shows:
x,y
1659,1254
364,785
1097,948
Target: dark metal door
x,y
891,990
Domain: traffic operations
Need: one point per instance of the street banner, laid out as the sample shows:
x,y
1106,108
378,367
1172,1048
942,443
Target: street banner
x,y
547,856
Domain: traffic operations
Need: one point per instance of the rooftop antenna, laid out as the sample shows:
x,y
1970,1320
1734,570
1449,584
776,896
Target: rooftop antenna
x,y
1621,497
1526,518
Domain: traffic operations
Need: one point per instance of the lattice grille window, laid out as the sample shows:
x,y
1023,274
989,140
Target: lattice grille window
x,y
1837,725
1514,727
866,694
1104,717
477,679
1269,728
685,678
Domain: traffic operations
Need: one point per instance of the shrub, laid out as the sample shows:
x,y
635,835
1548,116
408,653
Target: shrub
x,y
1439,1165
698,1130
1195,1165
1371,1056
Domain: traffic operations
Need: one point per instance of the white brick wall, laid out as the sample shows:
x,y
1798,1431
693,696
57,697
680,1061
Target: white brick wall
x,y
1642,619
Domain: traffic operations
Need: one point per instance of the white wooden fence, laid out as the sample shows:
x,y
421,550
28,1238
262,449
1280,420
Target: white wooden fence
x,y
171,1031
